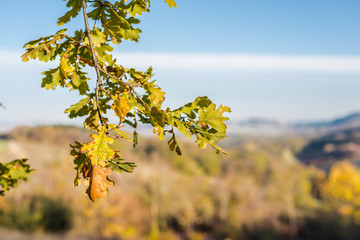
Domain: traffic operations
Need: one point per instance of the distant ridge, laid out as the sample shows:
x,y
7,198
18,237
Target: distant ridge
x,y
350,120
326,150
259,121
325,126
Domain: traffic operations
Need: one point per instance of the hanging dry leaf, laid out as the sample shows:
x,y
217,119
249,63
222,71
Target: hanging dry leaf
x,y
99,182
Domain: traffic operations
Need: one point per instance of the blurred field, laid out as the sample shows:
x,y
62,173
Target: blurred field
x,y
259,191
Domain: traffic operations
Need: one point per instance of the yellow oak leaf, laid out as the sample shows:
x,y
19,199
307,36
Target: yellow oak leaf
x,y
98,150
122,106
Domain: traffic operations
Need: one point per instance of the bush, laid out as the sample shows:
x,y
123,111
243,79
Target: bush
x,y
38,212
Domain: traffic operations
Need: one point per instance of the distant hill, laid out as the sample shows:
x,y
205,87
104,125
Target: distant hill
x,y
57,134
339,145
258,121
348,121
315,127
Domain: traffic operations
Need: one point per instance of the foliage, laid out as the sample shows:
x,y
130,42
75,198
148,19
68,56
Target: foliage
x,y
12,173
117,91
342,190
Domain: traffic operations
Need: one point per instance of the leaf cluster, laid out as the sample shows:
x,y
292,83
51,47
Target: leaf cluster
x,y
12,173
130,95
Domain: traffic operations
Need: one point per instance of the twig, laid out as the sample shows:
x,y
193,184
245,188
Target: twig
x,y
125,83
72,39
98,82
104,90
77,50
99,69
114,77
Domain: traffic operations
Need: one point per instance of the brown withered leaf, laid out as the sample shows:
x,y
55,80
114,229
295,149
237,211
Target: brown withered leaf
x,y
87,61
99,182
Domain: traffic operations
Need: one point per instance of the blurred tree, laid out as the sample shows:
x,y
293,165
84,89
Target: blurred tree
x,y
341,190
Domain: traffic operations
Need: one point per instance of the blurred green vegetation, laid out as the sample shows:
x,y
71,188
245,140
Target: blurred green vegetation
x,y
37,212
259,191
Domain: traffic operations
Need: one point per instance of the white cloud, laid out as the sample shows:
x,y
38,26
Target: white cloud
x,y
9,58
244,62
218,62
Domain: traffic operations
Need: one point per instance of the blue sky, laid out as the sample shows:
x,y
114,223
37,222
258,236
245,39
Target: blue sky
x,y
283,59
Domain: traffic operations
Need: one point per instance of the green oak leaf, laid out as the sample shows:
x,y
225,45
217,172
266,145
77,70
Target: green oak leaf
x,y
79,109
76,7
156,95
98,37
182,128
173,145
117,164
121,133
132,34
52,79
214,117
98,150
11,173
137,7
80,161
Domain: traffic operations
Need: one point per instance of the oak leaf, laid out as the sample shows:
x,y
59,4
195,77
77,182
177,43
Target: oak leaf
x,y
98,149
99,182
122,105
